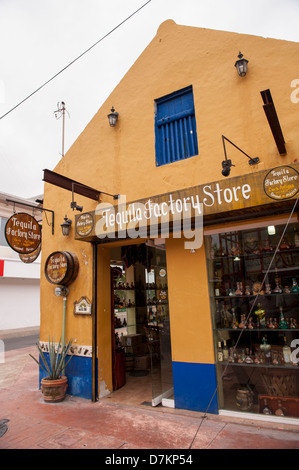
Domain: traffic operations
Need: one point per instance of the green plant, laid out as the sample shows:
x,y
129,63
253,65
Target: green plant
x,y
57,359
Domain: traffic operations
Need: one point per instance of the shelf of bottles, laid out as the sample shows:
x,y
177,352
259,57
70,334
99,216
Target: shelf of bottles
x,y
129,297
124,308
254,296
156,302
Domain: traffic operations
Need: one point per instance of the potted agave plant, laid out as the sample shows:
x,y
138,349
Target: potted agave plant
x,y
54,386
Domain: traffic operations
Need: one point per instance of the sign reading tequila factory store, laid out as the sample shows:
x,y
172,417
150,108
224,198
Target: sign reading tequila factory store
x,y
23,233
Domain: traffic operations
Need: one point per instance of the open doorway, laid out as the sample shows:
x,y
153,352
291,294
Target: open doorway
x,y
140,325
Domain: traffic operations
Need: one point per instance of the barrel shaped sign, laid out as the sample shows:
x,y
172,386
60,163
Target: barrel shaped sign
x,y
61,267
23,233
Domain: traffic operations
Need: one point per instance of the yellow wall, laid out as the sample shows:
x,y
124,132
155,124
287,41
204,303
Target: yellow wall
x,y
189,307
104,322
78,327
121,160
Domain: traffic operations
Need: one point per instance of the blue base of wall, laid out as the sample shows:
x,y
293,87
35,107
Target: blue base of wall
x,y
194,387
79,374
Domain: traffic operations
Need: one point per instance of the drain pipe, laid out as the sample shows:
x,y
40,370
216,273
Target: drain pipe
x,y
63,292
63,330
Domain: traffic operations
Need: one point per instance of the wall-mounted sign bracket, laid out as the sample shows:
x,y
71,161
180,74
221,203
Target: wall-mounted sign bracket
x,y
42,209
74,186
252,161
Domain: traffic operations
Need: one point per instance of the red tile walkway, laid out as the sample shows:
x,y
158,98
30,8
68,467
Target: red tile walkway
x,y
77,423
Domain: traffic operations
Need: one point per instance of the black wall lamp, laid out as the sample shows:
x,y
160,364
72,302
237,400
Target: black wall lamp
x,y
241,65
66,226
227,164
112,117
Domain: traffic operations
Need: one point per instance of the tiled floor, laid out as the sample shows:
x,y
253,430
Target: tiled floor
x,y
137,390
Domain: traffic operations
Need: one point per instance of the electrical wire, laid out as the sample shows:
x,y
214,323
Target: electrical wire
x,y
75,60
247,318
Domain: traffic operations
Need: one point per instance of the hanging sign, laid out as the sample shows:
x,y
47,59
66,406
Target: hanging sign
x,y
84,224
23,233
282,183
166,213
61,267
30,257
82,307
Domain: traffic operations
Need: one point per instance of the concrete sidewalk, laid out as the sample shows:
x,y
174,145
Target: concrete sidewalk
x,y
77,423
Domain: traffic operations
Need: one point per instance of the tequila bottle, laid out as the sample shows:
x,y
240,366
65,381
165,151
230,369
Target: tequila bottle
x,y
225,351
286,350
235,323
248,358
268,289
277,289
260,313
266,409
242,323
247,289
220,352
239,290
280,410
293,323
266,348
283,324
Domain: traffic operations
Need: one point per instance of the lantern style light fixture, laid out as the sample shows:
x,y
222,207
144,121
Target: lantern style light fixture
x,y
112,117
241,65
66,226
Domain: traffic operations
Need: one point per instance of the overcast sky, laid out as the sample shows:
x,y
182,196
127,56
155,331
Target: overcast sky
x,y
38,38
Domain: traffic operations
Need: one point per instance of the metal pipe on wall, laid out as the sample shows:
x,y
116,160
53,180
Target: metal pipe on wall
x,y
94,322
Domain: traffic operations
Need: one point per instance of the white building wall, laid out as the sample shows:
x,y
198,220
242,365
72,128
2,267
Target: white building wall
x,y
20,303
19,282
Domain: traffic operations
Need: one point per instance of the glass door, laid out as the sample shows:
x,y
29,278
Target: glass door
x,y
158,325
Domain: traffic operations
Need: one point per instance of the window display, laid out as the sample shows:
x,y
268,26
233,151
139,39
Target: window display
x,y
253,281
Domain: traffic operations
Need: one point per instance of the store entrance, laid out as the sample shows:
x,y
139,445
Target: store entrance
x,y
140,327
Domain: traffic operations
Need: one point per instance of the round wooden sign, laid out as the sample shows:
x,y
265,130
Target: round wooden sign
x,y
281,183
30,257
61,268
84,224
23,233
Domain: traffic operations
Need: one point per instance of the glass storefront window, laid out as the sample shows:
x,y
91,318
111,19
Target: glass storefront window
x,y
255,315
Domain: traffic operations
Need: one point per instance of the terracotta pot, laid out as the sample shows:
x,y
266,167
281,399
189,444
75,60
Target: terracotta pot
x,y
54,390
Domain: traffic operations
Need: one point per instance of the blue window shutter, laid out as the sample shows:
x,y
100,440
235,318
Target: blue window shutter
x,y
175,127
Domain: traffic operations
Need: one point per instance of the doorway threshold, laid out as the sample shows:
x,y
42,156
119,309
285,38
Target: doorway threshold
x,y
259,417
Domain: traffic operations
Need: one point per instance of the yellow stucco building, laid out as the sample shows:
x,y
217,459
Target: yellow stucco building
x,y
195,143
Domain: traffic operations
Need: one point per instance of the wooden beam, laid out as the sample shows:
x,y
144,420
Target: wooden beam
x,y
273,121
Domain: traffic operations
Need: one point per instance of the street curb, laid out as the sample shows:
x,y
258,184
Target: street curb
x,y
19,332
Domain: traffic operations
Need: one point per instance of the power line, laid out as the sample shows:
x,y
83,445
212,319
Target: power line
x,y
73,61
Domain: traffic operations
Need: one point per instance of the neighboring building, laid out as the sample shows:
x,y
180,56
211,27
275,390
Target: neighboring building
x,y
19,281
180,311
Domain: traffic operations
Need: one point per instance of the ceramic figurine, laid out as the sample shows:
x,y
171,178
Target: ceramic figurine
x,y
295,287
283,324
260,313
